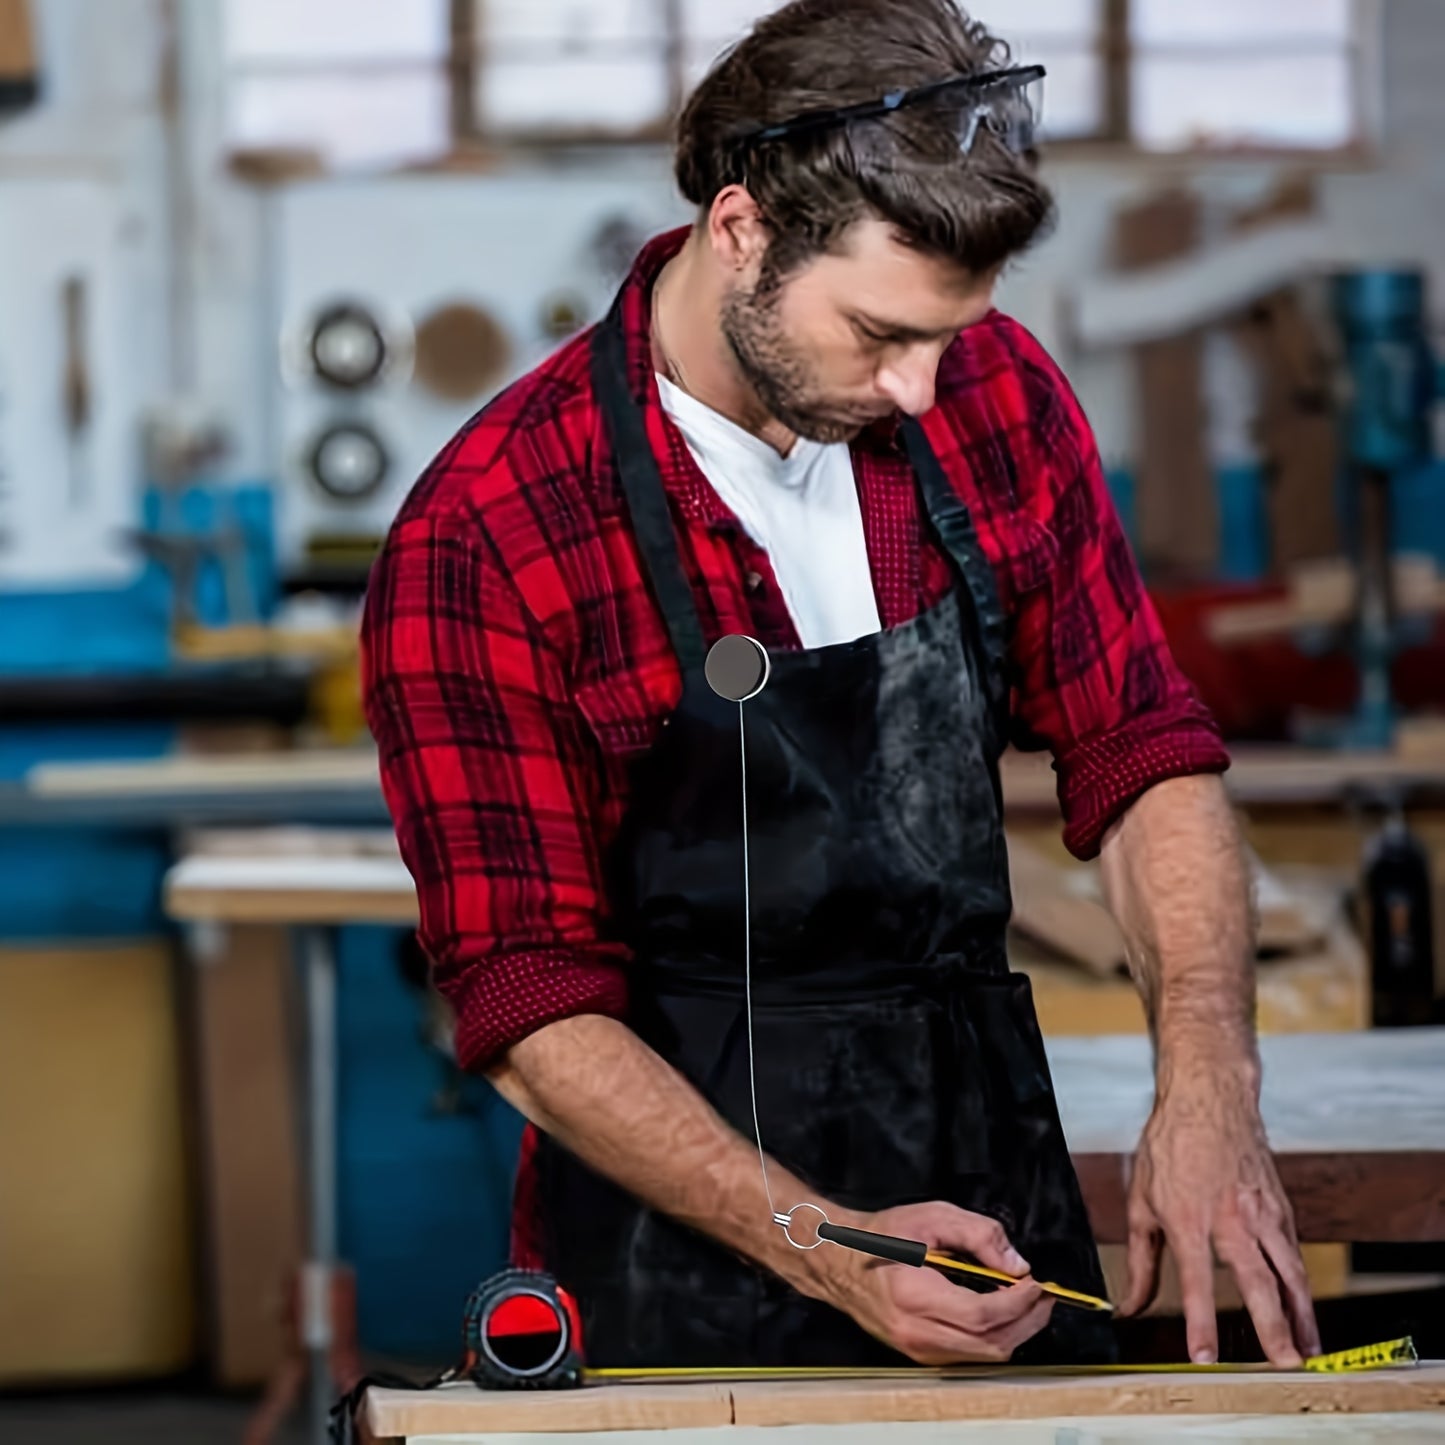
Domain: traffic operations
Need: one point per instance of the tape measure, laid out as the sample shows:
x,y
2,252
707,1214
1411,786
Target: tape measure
x,y
1390,1355
522,1331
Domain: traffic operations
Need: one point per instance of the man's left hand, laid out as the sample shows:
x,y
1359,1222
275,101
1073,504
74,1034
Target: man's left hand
x,y
1204,1180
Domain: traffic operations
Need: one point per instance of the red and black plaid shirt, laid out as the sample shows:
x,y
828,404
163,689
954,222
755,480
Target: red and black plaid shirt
x,y
514,660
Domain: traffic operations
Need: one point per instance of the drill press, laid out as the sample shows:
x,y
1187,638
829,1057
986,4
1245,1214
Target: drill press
x,y
1390,393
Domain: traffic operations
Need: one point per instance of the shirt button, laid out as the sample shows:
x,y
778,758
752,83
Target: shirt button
x,y
754,581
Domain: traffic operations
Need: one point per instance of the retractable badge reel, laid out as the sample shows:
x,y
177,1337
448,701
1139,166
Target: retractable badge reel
x,y
737,670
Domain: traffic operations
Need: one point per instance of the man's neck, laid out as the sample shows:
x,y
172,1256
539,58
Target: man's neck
x,y
689,348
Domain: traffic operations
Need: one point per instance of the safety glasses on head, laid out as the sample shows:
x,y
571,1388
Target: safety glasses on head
x,y
1006,102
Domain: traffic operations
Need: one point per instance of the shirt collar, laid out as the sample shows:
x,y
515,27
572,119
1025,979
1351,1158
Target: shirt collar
x,y
681,476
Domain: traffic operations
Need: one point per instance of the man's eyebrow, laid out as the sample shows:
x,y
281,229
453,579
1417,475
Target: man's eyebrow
x,y
896,331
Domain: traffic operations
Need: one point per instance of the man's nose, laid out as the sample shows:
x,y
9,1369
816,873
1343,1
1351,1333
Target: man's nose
x,y
909,381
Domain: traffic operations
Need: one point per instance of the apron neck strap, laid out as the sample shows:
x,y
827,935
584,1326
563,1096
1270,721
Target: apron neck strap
x,y
652,523
643,488
951,520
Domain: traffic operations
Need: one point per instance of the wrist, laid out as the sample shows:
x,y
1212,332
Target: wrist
x,y
1223,1068
823,1273
1211,1041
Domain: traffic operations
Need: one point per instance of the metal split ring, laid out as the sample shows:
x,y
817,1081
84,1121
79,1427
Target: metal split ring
x,y
786,1221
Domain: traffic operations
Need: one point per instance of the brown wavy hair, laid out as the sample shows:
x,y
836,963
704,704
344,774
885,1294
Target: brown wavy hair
x,y
977,210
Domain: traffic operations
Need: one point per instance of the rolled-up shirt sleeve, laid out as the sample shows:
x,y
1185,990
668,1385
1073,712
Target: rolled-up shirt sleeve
x,y
491,782
1093,677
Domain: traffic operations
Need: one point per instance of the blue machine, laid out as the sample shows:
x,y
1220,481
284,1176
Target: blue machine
x,y
1393,384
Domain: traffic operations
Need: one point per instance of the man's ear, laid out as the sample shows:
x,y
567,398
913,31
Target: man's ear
x,y
737,231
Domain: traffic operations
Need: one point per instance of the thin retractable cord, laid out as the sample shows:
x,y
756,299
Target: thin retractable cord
x,y
748,967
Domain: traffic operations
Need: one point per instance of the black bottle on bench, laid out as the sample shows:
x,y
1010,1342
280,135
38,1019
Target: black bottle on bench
x,y
1402,945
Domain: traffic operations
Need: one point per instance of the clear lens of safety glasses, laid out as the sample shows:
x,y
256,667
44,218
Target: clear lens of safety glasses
x,y
1006,103
1010,112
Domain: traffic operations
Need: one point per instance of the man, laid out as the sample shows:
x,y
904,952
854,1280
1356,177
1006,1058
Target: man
x,y
805,423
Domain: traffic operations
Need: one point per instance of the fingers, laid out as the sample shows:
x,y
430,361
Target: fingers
x,y
984,1238
1021,1331
931,1295
1283,1255
1260,1290
1196,1282
956,1330
1146,1248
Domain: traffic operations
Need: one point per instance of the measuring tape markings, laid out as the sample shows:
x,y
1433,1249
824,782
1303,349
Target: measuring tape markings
x,y
1392,1354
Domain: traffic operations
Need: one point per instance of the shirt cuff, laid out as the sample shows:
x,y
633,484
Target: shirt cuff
x,y
502,999
1100,779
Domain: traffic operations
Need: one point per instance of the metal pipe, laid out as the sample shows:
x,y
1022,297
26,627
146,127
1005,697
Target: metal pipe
x,y
319,960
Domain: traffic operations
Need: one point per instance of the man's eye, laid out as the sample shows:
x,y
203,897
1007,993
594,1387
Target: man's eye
x,y
869,335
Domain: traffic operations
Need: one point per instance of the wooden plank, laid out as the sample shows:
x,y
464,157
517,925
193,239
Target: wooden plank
x,y
1013,1396
1176,499
278,879
1321,593
291,906
1050,910
1061,906
464,1410
1261,775
1326,990
307,769
17,43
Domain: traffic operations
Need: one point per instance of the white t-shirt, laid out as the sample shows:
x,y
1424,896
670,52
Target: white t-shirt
x,y
801,509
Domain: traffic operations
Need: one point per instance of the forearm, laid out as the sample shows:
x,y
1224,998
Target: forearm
x,y
596,1088
1178,885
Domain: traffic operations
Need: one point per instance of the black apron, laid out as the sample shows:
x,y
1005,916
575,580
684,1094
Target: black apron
x,y
898,1060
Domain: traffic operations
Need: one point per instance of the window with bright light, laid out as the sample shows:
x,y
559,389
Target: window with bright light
x,y
1235,74
371,82
571,66
362,82
1066,37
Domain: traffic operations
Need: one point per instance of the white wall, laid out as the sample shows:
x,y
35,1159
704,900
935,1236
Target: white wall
x,y
82,194
1396,214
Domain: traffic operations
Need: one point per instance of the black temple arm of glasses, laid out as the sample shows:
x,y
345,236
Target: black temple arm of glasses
x,y
1015,77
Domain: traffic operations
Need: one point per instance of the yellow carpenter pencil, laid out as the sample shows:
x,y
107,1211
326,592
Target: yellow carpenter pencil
x,y
1071,1296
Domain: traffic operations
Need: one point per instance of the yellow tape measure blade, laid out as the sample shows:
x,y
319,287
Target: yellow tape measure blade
x,y
1384,1356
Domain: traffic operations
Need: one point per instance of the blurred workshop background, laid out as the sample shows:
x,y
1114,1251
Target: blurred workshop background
x,y
260,258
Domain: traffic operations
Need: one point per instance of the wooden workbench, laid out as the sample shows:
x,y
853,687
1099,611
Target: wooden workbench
x,y
1393,1405
1357,1120
342,785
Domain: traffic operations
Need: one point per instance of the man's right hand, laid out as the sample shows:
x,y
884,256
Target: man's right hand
x,y
921,1313
602,1093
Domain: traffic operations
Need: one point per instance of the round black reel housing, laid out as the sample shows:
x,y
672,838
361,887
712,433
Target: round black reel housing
x,y
523,1333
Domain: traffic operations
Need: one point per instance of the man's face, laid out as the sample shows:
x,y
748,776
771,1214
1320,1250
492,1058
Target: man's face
x,y
854,335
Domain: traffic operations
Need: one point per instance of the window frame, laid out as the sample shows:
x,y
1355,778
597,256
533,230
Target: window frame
x,y
1114,139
